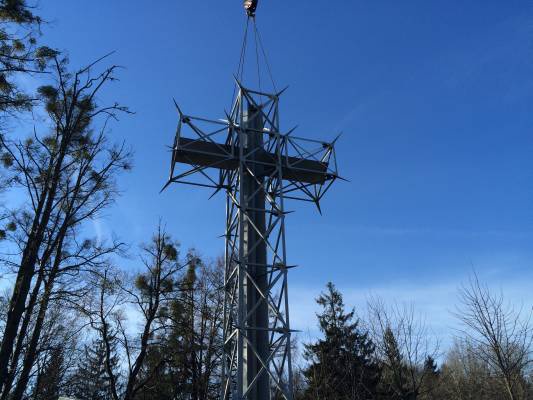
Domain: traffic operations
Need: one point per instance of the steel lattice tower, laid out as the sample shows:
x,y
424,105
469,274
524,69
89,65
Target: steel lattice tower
x,y
258,167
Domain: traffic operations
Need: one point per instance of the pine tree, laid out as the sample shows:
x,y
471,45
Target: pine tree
x,y
189,349
159,382
432,380
395,372
50,378
19,54
90,381
342,365
167,371
182,340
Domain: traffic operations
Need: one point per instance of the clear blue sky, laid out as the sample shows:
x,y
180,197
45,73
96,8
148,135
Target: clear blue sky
x,y
435,100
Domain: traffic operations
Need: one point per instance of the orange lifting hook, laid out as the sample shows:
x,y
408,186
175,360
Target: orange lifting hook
x,y
250,6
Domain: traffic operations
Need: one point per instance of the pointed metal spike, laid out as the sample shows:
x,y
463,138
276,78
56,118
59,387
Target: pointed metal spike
x,y
343,179
239,84
214,193
292,130
317,203
178,107
278,266
230,120
282,91
337,138
166,185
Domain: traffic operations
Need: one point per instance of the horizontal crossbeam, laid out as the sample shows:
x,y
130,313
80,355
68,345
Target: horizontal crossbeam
x,y
208,154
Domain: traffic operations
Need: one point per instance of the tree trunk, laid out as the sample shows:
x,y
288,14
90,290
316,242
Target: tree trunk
x,y
22,334
26,271
31,352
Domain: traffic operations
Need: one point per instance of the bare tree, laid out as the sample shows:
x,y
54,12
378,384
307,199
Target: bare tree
x,y
104,311
56,352
404,347
148,298
185,361
202,325
501,333
465,376
60,333
65,284
151,296
69,177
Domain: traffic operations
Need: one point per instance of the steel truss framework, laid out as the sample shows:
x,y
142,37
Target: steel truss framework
x,y
259,168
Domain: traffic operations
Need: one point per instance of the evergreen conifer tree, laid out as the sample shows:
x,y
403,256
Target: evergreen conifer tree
x,y
168,369
90,381
49,380
342,365
395,372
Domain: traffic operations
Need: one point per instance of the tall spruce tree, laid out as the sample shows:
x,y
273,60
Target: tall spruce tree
x,y
395,372
432,382
50,378
341,364
91,381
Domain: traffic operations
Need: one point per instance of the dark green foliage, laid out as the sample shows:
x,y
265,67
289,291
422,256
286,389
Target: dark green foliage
x,y
172,363
433,378
184,362
431,366
19,53
160,381
341,364
7,160
90,381
17,11
171,252
395,380
49,380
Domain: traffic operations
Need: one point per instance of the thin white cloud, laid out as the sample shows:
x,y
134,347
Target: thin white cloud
x,y
98,230
435,302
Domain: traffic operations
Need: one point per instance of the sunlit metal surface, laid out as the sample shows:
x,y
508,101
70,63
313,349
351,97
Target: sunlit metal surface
x,y
258,167
250,6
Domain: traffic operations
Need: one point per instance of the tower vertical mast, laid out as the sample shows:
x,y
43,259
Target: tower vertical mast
x,y
254,257
259,167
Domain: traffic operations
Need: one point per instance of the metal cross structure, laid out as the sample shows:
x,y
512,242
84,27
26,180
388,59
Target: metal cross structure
x,y
259,167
